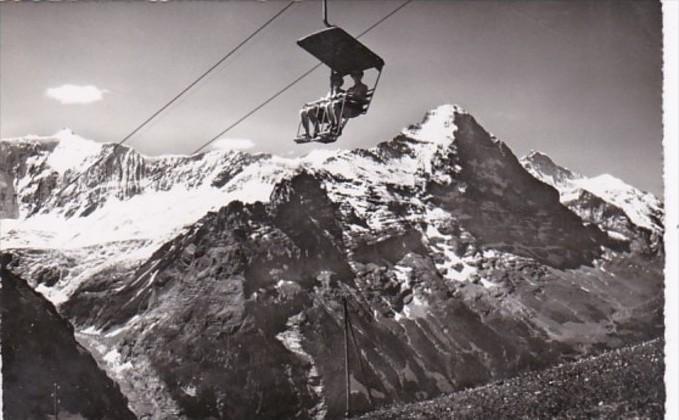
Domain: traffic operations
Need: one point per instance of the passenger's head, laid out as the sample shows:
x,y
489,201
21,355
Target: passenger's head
x,y
357,75
337,79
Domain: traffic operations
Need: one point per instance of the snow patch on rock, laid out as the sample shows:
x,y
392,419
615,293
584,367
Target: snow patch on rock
x,y
115,365
72,151
638,205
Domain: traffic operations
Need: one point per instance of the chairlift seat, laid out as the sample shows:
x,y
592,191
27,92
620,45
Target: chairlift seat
x,y
363,103
344,54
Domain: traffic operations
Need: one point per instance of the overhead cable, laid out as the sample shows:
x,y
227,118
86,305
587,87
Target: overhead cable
x,y
184,91
291,84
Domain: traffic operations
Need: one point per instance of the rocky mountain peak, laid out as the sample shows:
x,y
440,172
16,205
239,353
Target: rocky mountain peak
x,y
67,134
437,126
543,167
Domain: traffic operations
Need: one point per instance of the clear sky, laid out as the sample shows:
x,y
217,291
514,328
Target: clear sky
x,y
578,80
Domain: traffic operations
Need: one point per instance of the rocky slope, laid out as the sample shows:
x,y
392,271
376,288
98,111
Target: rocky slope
x,y
38,351
622,384
460,267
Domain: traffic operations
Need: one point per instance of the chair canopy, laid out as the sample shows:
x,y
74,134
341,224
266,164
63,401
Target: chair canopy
x,y
340,51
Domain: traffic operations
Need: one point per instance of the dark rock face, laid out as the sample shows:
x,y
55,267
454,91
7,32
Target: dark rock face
x,y
459,266
234,307
9,208
512,210
15,164
38,351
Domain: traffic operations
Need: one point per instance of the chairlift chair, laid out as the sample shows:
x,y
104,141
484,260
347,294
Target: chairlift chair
x,y
344,55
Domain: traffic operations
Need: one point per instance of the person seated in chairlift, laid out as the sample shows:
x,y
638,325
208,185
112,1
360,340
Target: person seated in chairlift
x,y
316,112
353,104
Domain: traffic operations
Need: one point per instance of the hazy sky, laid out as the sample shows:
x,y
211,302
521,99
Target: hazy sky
x,y
578,80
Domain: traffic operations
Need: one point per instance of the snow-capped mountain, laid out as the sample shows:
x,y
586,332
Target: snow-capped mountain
x,y
622,210
135,196
210,285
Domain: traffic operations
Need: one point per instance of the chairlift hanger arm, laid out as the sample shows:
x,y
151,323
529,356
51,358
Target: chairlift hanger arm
x,y
325,14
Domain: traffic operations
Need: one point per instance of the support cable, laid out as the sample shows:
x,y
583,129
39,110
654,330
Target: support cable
x,y
183,91
283,90
347,365
294,82
249,113
257,108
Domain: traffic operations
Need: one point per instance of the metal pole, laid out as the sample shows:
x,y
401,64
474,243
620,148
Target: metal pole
x,y
347,413
56,407
379,74
358,357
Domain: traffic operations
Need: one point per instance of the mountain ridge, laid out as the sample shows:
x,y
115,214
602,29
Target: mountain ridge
x,y
621,210
461,267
